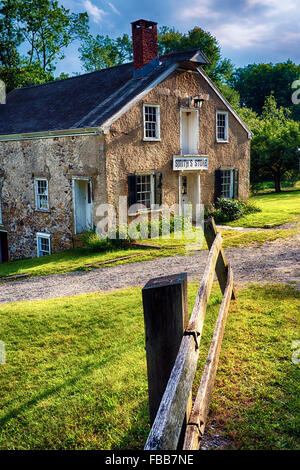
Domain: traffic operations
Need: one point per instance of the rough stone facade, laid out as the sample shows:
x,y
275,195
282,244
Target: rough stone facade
x,y
126,152
57,159
108,160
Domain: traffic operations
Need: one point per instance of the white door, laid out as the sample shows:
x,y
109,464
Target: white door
x,y
82,205
189,132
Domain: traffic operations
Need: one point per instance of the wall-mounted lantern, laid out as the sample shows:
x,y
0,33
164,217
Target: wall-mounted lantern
x,y
196,101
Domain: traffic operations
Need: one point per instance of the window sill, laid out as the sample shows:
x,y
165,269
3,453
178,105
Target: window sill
x,y
151,139
43,210
222,141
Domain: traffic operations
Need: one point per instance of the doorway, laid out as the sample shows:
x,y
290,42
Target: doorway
x,y
83,207
189,184
189,132
3,247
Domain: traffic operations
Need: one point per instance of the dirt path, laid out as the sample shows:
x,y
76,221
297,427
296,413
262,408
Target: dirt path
x,y
273,262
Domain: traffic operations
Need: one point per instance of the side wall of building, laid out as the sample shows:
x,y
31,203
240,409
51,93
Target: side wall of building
x,y
58,160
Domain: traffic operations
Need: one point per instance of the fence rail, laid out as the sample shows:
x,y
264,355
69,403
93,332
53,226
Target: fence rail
x,y
175,424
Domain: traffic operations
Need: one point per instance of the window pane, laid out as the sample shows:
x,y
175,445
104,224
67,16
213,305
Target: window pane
x,y
42,194
144,190
43,246
221,126
226,183
151,122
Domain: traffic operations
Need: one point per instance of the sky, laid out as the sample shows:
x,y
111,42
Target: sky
x,y
248,31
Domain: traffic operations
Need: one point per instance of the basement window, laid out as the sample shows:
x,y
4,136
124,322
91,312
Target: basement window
x,y
151,114
41,194
222,126
43,244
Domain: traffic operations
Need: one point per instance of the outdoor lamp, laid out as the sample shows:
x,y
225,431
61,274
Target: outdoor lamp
x,y
197,101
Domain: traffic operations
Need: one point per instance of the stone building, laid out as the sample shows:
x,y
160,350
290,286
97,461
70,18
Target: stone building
x,y
157,131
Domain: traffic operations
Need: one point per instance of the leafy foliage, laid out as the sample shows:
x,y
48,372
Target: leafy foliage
x,y
257,81
227,210
170,40
43,29
100,52
275,144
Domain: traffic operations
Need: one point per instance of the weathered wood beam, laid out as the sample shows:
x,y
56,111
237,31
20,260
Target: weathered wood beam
x,y
197,421
210,233
165,432
166,318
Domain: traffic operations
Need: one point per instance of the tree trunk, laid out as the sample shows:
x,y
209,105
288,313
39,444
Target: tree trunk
x,y
277,182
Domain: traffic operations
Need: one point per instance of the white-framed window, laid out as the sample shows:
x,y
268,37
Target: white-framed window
x,y
145,189
41,194
222,126
227,184
43,244
151,116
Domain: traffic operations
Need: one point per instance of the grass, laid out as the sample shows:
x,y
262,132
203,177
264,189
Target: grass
x,y
71,260
277,209
77,259
75,376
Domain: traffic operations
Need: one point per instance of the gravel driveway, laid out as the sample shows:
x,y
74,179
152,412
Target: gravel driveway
x,y
278,261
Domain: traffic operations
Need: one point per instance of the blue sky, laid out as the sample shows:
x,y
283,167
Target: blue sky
x,y
247,30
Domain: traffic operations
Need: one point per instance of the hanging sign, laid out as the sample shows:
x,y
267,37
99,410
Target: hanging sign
x,y
190,163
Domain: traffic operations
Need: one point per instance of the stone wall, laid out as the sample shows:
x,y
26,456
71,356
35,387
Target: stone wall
x,y
57,159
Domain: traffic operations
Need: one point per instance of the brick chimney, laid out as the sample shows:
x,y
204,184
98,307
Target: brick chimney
x,y
145,47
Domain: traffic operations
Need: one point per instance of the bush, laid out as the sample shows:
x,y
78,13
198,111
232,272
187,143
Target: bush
x,y
92,242
227,210
161,226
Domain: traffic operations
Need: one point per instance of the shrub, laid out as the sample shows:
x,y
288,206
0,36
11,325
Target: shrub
x,y
92,241
227,210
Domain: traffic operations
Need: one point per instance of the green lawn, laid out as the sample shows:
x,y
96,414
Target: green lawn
x,y
77,259
73,260
75,376
277,209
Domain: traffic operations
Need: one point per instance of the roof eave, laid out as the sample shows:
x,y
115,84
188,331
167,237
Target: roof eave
x,y
51,134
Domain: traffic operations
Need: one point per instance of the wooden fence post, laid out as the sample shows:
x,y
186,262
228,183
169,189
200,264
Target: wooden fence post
x,y
166,318
210,233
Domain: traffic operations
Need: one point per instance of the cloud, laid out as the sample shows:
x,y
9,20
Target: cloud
x,y
95,12
199,10
242,35
114,9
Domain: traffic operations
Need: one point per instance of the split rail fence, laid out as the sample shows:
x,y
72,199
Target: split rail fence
x,y
172,350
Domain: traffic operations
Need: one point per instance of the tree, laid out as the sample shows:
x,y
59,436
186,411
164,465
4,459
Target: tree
x,y
43,29
101,52
49,29
170,40
274,149
256,81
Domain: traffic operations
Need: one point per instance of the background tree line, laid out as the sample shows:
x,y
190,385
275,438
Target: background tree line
x,y
35,34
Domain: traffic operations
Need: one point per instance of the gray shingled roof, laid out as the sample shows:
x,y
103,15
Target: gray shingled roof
x,y
83,101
